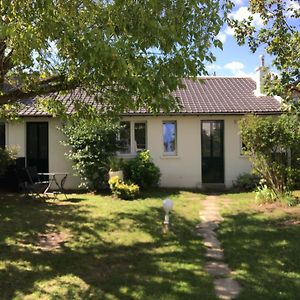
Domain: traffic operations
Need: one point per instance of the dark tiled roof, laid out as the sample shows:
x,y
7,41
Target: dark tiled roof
x,y
208,95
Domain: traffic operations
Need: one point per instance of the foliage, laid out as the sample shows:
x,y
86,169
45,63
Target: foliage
x,y
130,54
91,142
269,140
142,171
7,158
265,195
246,182
123,190
115,163
281,38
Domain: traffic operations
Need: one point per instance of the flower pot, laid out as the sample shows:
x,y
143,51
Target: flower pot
x,y
116,173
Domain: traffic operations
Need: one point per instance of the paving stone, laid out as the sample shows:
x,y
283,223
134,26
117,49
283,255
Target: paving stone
x,y
227,288
214,254
210,225
211,242
217,269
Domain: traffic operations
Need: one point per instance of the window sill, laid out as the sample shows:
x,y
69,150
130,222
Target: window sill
x,y
126,155
169,157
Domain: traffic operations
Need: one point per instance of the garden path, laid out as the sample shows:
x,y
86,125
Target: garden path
x,y
225,286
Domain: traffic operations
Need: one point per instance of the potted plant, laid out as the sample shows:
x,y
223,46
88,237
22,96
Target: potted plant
x,y
115,168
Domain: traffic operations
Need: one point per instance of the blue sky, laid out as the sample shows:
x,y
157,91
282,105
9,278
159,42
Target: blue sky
x,y
237,60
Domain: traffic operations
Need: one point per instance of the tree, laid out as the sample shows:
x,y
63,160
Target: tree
x,y
130,54
281,38
269,142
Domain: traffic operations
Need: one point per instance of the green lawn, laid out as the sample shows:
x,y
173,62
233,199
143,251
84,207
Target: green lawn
x,y
97,247
262,246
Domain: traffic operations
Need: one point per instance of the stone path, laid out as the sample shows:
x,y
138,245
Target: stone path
x,y
225,286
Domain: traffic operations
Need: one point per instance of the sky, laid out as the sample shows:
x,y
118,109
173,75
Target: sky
x,y
237,60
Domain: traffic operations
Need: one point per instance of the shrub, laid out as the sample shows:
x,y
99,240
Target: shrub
x,y
290,200
246,182
142,171
92,143
269,142
7,158
123,190
265,195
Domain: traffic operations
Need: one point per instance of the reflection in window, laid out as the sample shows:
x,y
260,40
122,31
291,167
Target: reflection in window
x,y
2,135
169,136
125,137
140,135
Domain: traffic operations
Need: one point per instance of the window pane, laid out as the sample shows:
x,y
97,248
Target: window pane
x,y
125,137
140,135
206,139
2,135
216,135
169,132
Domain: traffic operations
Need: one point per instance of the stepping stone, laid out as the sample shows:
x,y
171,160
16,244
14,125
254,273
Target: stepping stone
x,y
211,241
205,232
209,225
227,288
211,218
214,254
217,269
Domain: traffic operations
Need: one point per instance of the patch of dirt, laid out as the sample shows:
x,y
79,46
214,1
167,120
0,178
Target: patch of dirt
x,y
288,223
52,241
273,207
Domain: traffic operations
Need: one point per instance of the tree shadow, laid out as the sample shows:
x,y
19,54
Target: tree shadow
x,y
264,254
98,261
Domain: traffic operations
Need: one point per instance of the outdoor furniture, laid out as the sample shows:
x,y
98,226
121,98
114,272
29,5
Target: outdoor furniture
x,y
30,182
53,180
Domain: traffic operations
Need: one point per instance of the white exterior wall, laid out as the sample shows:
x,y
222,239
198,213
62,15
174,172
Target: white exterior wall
x,y
182,170
16,136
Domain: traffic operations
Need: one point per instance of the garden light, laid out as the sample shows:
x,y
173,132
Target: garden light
x,y
167,206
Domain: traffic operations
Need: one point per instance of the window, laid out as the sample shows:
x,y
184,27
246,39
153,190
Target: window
x,y
140,136
2,135
169,137
125,140
132,137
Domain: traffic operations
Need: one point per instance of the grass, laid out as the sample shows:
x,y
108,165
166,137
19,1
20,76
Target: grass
x,y
103,249
262,246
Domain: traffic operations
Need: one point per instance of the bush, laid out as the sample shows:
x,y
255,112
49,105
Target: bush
x,y
270,142
265,195
142,171
123,190
7,158
92,143
246,182
290,200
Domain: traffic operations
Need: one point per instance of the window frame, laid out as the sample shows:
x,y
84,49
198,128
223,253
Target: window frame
x,y
133,145
175,152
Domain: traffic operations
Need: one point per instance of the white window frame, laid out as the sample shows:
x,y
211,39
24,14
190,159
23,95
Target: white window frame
x,y
133,147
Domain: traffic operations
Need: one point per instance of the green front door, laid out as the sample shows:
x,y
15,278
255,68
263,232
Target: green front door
x,y
37,145
212,141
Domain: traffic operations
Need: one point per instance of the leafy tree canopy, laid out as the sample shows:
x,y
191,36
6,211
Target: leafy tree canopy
x,y
129,53
281,38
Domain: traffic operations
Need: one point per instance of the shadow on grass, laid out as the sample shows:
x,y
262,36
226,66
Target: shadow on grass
x,y
264,253
137,262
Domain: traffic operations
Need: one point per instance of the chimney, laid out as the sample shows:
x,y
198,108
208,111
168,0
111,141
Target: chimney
x,y
261,72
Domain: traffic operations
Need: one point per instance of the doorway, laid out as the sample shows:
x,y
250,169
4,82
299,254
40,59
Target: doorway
x,y
212,146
